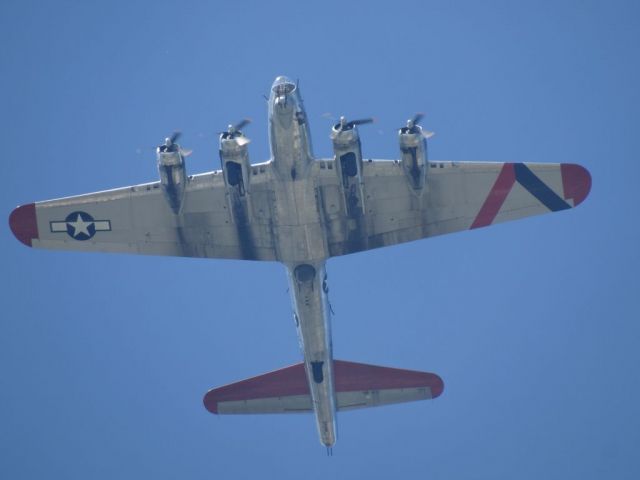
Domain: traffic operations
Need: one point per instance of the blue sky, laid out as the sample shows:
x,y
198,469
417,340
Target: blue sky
x,y
533,325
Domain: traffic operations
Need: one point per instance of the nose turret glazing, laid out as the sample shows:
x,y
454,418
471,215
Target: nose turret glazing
x,y
283,86
284,95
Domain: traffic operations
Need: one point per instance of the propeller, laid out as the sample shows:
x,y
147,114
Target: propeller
x,y
170,145
174,137
234,131
413,126
348,125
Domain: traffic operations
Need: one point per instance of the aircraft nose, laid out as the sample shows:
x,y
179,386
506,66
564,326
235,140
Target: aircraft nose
x,y
281,79
283,86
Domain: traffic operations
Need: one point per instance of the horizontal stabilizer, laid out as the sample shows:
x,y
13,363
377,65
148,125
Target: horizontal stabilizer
x,y
357,385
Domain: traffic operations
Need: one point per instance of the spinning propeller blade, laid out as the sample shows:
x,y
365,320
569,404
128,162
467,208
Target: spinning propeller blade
x,y
174,137
241,124
414,122
347,125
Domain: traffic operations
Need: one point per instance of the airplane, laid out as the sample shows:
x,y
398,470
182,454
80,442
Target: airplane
x,y
301,210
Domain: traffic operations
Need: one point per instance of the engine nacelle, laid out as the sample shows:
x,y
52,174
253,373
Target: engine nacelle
x,y
348,161
173,175
234,157
413,148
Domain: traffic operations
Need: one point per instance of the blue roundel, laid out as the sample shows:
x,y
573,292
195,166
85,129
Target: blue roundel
x,y
80,225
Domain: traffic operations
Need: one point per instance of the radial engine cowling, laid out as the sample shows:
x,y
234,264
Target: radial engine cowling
x,y
413,148
234,156
348,159
348,152
173,175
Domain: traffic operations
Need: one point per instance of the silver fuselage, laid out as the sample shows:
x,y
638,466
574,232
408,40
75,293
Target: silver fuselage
x,y
302,247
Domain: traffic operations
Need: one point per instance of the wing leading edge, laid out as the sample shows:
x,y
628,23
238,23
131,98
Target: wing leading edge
x,y
357,385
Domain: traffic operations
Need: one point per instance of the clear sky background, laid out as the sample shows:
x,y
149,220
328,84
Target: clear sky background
x,y
533,325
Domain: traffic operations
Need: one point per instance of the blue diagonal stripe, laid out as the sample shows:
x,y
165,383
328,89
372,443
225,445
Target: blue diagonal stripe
x,y
537,188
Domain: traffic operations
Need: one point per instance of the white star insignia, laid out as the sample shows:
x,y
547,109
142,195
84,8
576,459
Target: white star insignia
x,y
80,226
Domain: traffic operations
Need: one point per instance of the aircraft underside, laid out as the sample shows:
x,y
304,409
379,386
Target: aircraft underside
x,y
301,210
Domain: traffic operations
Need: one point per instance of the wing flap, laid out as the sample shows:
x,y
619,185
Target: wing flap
x,y
357,385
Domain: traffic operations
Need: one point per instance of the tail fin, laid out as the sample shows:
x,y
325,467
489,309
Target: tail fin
x,y
357,385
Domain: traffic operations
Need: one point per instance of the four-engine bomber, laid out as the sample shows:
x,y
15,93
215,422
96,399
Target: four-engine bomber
x,y
301,210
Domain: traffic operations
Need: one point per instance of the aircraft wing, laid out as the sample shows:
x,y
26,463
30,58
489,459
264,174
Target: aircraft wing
x,y
357,385
139,220
457,196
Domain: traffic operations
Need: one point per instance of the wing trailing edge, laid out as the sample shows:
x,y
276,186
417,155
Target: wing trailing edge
x,y
357,385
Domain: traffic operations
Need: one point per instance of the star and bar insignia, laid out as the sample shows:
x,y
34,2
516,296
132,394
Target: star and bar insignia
x,y
80,226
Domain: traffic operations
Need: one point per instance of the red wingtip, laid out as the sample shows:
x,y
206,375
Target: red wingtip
x,y
210,403
576,182
437,387
23,223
